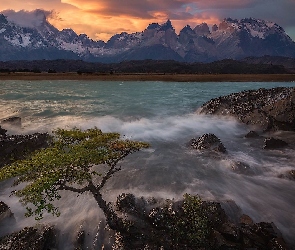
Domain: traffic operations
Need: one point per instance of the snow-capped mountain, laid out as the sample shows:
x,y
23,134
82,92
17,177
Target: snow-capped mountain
x,y
43,42
232,38
251,37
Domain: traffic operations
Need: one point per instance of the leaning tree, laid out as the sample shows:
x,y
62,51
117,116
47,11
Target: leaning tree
x,y
69,163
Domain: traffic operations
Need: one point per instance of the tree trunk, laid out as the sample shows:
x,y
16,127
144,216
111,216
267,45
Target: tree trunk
x,y
114,222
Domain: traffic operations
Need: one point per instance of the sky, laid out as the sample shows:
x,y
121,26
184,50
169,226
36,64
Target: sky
x,y
100,19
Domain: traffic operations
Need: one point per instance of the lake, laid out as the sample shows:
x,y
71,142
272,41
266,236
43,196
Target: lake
x,y
164,115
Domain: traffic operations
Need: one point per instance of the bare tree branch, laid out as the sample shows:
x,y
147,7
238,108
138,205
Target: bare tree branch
x,y
113,169
76,190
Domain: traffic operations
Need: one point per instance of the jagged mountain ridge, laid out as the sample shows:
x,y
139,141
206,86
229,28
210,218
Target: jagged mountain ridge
x,y
231,39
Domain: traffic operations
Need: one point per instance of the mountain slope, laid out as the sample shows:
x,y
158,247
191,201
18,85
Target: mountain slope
x,y
231,39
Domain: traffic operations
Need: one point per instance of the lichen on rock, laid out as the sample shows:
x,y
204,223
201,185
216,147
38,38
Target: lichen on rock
x,y
208,142
268,109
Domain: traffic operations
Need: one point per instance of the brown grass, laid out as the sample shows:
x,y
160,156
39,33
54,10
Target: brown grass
x,y
151,77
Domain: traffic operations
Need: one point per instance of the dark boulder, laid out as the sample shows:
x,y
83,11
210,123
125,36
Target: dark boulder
x,y
208,142
291,174
252,134
15,147
262,235
288,175
126,203
35,238
246,220
268,109
272,143
2,131
5,211
241,168
14,121
191,224
162,224
80,240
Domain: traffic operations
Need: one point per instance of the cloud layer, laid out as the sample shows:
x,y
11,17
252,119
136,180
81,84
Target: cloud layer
x,y
102,18
28,18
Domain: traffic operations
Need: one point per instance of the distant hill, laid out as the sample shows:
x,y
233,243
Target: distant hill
x,y
288,63
228,66
231,39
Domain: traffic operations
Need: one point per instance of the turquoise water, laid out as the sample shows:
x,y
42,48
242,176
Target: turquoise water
x,y
163,114
47,99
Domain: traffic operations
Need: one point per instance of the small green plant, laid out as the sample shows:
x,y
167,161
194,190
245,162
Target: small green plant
x,y
184,226
193,225
69,164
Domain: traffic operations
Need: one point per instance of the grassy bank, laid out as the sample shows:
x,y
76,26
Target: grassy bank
x,y
151,77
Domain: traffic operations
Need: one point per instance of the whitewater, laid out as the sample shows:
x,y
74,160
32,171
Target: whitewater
x,y
163,114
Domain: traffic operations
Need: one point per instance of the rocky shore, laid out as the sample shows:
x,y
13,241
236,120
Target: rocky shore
x,y
161,224
16,147
266,109
189,223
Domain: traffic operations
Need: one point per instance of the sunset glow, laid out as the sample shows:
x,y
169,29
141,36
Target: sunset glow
x,y
100,19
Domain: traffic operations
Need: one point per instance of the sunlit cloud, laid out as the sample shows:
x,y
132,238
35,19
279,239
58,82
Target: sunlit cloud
x,y
100,19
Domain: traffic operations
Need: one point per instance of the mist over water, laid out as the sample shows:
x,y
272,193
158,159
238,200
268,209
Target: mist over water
x,y
162,114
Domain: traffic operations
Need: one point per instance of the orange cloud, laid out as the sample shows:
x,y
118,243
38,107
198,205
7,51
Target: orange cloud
x,y
86,5
34,4
100,19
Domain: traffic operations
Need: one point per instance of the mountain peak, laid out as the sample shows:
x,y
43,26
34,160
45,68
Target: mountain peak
x,y
153,26
202,29
233,39
167,26
69,32
254,26
187,28
230,20
3,19
214,27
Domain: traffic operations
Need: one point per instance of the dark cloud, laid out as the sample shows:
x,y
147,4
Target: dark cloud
x,y
28,18
139,9
280,11
138,13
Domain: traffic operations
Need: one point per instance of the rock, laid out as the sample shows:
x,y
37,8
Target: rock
x,y
80,240
5,212
12,121
245,219
126,203
288,175
217,239
2,131
230,232
265,233
192,224
291,174
278,244
17,147
268,109
34,238
252,134
241,168
208,142
272,143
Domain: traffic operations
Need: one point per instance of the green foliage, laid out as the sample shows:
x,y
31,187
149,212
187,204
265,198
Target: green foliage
x,y
67,164
182,226
193,225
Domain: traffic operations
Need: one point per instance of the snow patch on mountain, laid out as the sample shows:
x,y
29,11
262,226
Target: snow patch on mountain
x,y
232,38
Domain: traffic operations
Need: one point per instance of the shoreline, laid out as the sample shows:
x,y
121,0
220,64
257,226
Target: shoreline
x,y
150,77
